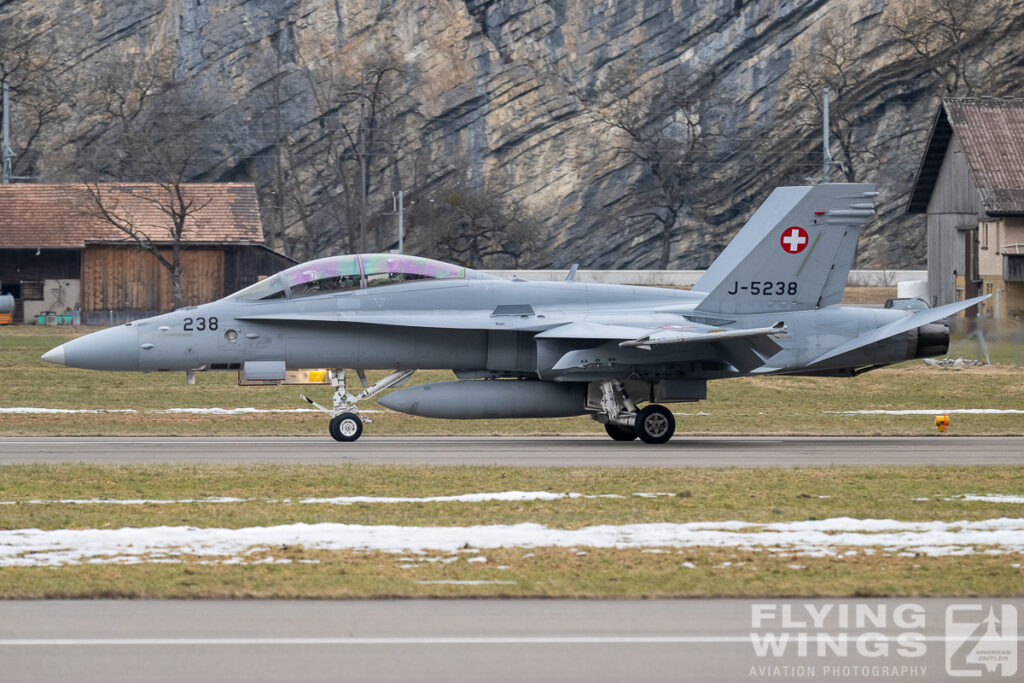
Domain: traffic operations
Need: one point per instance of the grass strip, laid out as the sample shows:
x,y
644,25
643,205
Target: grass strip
x,y
697,494
541,572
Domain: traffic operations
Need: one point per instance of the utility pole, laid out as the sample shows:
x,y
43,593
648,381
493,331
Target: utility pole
x,y
826,166
277,231
362,180
8,153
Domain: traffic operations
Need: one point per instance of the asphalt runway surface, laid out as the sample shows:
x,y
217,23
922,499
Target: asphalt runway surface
x,y
683,451
482,640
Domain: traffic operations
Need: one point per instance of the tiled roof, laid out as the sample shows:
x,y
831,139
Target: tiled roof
x,y
65,216
991,134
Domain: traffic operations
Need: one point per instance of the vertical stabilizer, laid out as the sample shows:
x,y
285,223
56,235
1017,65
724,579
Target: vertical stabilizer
x,y
794,253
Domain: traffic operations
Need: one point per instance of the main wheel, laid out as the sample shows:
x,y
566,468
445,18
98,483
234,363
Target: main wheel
x,y
620,432
346,427
655,424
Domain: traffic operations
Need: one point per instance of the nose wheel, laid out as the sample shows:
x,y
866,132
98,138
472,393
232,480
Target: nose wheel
x,y
345,427
345,424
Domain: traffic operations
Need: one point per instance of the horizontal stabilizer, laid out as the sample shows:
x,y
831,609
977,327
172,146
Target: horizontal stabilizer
x,y
898,327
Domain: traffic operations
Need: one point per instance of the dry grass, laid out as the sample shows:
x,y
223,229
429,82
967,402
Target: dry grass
x,y
700,494
542,572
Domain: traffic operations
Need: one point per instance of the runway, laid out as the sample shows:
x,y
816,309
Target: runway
x,y
683,451
474,640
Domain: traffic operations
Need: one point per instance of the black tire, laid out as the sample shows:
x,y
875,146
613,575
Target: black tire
x,y
655,424
345,427
620,432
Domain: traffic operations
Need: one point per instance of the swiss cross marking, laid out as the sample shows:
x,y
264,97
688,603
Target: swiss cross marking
x,y
794,240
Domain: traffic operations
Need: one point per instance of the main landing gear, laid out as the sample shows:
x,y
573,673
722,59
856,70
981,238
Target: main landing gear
x,y
623,422
346,424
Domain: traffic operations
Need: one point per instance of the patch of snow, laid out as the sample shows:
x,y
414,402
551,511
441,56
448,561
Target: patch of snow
x,y
688,565
61,411
129,501
479,559
165,411
514,496
465,582
462,498
990,498
815,538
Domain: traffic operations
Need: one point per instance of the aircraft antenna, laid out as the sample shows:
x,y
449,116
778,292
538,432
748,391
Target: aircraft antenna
x,y
398,209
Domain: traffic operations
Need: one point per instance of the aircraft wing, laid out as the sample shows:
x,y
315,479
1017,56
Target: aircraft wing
x,y
745,349
644,337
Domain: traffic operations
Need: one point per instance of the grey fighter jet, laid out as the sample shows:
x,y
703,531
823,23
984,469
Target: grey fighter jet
x,y
767,306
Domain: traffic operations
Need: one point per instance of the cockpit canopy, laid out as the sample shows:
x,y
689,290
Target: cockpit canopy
x,y
344,273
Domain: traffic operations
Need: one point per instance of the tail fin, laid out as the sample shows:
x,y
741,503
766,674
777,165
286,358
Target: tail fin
x,y
793,254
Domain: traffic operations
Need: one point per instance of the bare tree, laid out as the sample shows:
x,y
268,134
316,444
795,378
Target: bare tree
x,y
834,61
159,148
348,144
476,228
662,128
940,34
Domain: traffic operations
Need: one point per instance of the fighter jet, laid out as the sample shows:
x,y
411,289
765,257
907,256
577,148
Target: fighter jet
x,y
768,305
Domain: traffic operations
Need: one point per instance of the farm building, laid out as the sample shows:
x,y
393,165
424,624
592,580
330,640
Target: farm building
x,y
970,186
56,256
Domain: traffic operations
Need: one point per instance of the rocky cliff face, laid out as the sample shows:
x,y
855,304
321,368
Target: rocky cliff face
x,y
511,99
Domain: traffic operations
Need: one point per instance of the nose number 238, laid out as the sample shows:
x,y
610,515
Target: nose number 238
x,y
200,324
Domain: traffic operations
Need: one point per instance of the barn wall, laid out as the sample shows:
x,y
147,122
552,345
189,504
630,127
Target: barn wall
x,y
123,278
945,255
954,202
955,191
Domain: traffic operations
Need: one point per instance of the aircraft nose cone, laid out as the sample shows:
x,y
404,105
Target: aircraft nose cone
x,y
116,348
54,355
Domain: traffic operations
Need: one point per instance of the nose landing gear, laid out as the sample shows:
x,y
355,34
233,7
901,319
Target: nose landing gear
x,y
346,424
